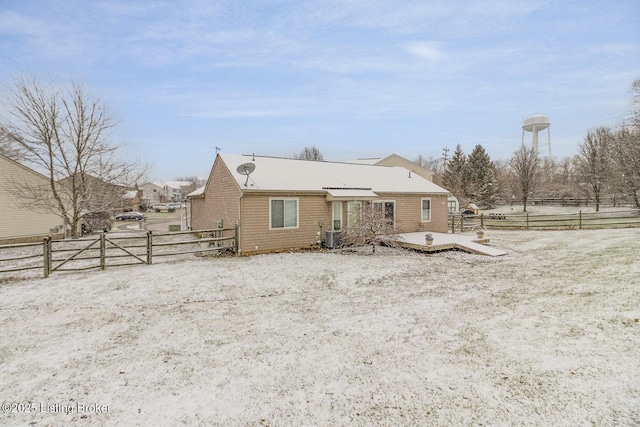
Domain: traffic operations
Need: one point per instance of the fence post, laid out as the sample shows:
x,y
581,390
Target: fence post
x,y
149,247
462,223
527,221
580,220
46,255
453,224
482,220
103,250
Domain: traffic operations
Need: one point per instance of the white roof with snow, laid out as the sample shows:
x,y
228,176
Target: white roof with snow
x,y
337,179
198,192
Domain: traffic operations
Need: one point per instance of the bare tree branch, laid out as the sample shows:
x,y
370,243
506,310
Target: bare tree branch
x,y
65,134
371,225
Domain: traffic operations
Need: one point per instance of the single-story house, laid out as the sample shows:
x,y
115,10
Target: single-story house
x,y
21,222
281,203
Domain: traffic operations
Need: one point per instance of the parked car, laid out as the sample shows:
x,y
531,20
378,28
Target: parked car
x,y
130,216
175,206
467,213
159,207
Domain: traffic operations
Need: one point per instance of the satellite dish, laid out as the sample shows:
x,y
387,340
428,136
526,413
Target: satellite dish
x,y
246,169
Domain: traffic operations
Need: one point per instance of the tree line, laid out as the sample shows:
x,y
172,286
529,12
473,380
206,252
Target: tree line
x,y
607,166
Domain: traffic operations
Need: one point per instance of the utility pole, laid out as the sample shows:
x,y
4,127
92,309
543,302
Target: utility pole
x,y
445,156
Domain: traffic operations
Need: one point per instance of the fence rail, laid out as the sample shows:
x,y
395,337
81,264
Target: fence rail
x,y
526,221
100,252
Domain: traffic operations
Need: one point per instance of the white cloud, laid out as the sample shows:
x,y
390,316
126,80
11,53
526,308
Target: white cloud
x,y
426,50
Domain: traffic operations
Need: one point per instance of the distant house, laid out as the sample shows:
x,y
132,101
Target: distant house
x,y
131,200
396,160
154,192
287,203
19,223
178,190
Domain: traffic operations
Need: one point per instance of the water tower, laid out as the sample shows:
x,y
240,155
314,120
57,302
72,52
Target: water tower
x,y
535,124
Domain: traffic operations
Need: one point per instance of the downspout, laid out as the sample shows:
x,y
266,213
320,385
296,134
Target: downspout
x,y
240,230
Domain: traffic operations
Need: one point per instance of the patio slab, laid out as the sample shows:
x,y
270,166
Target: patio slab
x,y
445,241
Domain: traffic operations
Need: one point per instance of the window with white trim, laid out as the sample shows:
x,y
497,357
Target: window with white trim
x,y
425,215
283,213
353,212
386,208
337,215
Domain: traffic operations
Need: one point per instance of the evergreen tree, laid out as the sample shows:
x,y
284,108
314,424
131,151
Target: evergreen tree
x,y
454,173
480,177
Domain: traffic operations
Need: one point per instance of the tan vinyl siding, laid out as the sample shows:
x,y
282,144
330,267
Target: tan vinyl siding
x,y
408,210
220,202
18,223
256,235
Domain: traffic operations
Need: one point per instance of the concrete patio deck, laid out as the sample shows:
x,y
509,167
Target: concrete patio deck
x,y
444,241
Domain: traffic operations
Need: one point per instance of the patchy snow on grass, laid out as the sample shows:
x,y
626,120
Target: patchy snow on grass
x,y
548,334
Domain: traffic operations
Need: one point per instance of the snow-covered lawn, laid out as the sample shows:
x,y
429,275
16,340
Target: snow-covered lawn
x,y
548,335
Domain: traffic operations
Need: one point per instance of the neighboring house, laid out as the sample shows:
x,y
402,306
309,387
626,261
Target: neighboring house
x,y
172,191
178,190
154,192
287,203
395,160
131,200
18,223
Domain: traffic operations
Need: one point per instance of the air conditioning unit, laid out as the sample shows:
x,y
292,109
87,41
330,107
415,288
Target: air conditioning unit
x,y
333,239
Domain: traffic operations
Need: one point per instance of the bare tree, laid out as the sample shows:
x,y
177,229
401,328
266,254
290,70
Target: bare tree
x,y
373,226
625,156
524,169
8,149
434,164
625,150
309,153
593,161
65,134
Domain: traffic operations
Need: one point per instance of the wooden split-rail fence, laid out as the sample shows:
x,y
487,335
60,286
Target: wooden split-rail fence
x,y
530,221
103,250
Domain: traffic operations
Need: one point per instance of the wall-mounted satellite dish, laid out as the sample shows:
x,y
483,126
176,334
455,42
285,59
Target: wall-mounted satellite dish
x,y
246,169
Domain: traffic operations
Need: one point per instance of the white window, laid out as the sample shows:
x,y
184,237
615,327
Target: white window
x,y
425,215
284,213
452,206
353,212
386,208
337,215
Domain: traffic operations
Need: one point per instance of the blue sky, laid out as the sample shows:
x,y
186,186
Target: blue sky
x,y
360,78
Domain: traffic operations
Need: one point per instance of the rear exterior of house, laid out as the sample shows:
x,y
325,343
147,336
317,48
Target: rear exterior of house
x,y
288,204
19,224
